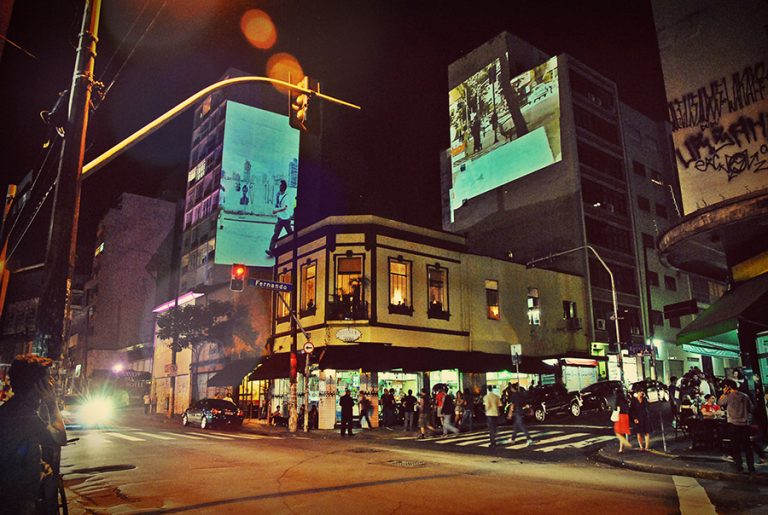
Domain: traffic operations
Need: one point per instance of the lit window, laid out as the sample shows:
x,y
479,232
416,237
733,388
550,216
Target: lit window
x,y
534,311
569,309
399,286
437,280
492,299
283,311
308,298
349,276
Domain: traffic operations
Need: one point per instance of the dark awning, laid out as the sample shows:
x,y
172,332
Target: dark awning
x,y
233,373
274,366
720,321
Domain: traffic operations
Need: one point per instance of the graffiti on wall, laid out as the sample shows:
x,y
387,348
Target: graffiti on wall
x,y
720,137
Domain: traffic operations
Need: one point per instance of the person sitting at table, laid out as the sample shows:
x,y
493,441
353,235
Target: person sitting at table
x,y
710,408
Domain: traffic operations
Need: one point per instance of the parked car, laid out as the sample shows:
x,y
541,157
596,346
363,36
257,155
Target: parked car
x,y
654,390
552,399
600,395
211,412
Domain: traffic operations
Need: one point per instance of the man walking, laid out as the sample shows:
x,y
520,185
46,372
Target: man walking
x,y
447,414
388,407
409,403
738,406
492,404
346,402
516,415
284,212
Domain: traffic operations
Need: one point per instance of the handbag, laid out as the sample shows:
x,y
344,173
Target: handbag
x,y
615,415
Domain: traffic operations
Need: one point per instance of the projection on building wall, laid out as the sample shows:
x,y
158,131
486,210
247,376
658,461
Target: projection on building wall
x,y
260,152
502,128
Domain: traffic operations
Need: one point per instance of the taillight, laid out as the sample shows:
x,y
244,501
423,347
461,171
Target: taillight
x,y
215,411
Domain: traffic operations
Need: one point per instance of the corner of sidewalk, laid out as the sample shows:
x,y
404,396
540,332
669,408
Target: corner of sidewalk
x,y
678,460
380,433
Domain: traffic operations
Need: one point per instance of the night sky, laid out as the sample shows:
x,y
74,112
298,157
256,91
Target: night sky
x,y
389,57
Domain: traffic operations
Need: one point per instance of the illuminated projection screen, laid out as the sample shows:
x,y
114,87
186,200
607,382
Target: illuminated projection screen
x,y
260,150
501,128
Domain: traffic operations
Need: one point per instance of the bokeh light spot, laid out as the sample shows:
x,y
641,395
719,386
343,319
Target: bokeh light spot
x,y
258,29
283,66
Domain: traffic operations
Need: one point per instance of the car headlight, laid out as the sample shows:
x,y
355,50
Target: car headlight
x,y
95,411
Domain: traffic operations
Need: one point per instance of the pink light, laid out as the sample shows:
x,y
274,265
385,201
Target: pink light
x,y
183,299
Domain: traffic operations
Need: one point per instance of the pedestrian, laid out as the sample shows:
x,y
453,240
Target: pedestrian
x,y
516,401
388,407
447,414
673,393
154,404
459,410
25,436
620,418
409,406
425,410
346,402
738,407
364,404
492,404
641,419
467,418
146,404
284,212
438,408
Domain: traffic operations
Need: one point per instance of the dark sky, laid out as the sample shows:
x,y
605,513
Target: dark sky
x,y
389,57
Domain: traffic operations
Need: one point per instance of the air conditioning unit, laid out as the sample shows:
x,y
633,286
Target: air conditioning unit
x,y
635,331
601,324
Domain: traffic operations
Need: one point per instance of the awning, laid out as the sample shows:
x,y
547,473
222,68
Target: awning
x,y
719,322
233,373
274,366
717,350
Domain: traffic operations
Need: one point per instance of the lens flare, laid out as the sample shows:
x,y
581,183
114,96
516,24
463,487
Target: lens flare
x,y
258,29
284,67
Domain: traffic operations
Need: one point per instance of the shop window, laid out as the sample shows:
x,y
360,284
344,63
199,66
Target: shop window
x,y
534,310
653,278
644,204
670,283
399,287
437,287
308,292
283,310
492,299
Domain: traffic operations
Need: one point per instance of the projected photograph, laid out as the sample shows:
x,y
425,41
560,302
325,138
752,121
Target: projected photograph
x,y
259,177
502,128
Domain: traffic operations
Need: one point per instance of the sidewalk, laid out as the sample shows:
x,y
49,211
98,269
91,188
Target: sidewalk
x,y
680,460
380,433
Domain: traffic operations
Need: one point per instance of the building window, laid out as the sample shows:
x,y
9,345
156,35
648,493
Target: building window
x,y
638,168
283,310
399,287
534,311
492,299
644,204
649,242
308,291
670,283
348,302
674,322
569,309
657,318
661,211
437,286
653,278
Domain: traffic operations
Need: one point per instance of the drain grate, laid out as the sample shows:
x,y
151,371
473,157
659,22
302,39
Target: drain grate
x,y
406,464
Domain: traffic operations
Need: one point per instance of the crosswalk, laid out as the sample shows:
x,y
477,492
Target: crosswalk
x,y
546,440
107,437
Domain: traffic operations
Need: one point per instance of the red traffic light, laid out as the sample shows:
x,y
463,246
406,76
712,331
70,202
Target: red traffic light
x,y
237,279
238,271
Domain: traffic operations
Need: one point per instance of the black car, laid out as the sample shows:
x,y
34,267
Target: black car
x,y
210,412
654,390
601,395
552,399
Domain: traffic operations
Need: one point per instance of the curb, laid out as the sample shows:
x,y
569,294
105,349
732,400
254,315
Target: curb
x,y
698,473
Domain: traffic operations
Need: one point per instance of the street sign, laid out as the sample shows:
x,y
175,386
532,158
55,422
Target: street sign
x,y
308,347
515,350
270,285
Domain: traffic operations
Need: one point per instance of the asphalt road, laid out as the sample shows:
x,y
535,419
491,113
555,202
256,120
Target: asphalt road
x,y
139,466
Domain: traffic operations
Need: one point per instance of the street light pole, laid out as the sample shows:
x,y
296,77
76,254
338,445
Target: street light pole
x,y
531,263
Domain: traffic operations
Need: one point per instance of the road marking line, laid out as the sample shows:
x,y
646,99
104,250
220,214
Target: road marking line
x,y
246,437
206,435
186,436
126,437
500,435
153,435
548,440
576,445
518,446
693,498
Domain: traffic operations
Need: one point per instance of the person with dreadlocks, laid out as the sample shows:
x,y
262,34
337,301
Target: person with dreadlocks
x,y
24,433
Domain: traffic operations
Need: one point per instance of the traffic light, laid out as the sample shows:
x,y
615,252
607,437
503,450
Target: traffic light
x,y
237,280
304,112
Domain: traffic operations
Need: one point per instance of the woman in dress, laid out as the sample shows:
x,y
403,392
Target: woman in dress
x,y
621,426
641,420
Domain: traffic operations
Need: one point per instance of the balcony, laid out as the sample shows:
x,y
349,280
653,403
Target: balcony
x,y
346,307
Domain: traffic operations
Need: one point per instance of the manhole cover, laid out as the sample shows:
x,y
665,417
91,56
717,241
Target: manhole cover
x,y
406,464
105,468
363,450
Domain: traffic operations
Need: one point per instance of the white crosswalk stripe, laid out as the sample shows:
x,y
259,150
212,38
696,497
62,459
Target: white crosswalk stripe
x,y
182,435
126,437
155,435
241,436
547,439
215,437
577,445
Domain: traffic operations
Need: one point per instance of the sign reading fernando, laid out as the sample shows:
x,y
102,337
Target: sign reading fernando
x,y
270,285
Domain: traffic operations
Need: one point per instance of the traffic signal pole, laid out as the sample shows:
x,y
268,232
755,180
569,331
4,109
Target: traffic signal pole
x,y
53,310
293,418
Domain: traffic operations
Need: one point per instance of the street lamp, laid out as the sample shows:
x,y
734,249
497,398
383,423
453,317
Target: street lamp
x,y
533,262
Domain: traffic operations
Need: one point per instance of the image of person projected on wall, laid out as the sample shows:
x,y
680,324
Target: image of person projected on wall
x,y
284,210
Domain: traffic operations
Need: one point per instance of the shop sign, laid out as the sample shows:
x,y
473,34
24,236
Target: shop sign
x,y
170,369
349,334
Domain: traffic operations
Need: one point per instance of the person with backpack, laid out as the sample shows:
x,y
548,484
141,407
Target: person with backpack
x,y
409,407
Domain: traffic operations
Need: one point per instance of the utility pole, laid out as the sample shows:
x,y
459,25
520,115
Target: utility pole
x,y
53,310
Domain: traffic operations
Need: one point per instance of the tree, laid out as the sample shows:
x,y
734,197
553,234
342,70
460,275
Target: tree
x,y
191,325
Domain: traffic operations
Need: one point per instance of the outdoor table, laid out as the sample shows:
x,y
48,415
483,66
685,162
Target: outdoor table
x,y
708,432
